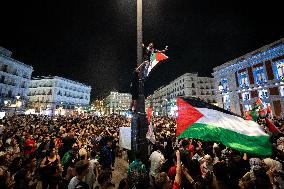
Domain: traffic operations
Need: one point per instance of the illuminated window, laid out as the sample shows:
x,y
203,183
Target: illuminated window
x,y
263,94
278,69
282,90
246,96
224,83
259,75
226,102
248,107
265,104
243,79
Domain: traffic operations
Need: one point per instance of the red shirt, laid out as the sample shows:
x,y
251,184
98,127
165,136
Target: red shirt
x,y
29,143
172,172
191,148
58,142
176,186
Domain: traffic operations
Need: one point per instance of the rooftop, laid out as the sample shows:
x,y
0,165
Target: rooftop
x,y
5,53
60,78
252,54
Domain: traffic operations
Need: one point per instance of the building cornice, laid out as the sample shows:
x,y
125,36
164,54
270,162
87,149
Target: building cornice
x,y
16,61
262,54
38,78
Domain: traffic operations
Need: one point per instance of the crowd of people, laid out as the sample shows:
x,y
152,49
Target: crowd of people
x,y
80,152
58,152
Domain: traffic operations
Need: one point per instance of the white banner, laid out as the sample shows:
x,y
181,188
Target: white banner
x,y
2,114
125,137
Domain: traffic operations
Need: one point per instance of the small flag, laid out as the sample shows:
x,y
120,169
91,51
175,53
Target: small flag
x,y
269,111
254,114
258,103
272,128
247,115
200,120
155,59
263,113
149,114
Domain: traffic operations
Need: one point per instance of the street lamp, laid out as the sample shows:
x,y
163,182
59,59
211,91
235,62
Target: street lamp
x,y
139,123
17,99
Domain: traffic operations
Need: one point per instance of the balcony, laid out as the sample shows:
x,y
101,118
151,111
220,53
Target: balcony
x,y
4,68
10,83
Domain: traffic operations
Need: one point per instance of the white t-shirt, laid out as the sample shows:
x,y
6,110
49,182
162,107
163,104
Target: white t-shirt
x,y
73,182
157,159
90,178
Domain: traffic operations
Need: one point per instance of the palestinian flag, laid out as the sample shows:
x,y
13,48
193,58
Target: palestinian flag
x,y
254,115
247,116
272,128
149,114
269,109
200,120
155,59
258,103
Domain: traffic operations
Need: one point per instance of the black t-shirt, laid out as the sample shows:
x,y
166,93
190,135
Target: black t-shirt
x,y
20,180
68,142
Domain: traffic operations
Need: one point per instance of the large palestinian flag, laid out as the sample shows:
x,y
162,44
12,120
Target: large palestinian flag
x,y
200,120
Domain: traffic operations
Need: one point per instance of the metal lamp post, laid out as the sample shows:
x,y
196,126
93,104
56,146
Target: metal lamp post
x,y
139,122
17,99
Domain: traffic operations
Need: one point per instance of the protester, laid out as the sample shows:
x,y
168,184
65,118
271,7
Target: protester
x,y
50,170
162,180
79,152
137,173
157,160
81,168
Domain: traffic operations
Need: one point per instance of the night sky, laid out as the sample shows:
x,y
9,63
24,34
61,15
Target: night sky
x,y
94,41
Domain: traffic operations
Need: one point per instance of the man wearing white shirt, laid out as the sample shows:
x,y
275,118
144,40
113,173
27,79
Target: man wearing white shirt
x,y
157,159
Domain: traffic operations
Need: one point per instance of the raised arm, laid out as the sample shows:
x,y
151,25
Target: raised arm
x,y
178,169
43,162
162,51
187,175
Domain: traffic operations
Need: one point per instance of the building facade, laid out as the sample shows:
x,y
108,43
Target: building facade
x,y
56,95
258,74
163,99
117,103
14,79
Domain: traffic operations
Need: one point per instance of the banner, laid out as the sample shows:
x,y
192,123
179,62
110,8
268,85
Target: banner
x,y
2,114
125,137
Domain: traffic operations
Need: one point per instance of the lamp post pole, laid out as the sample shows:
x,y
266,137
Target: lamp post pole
x,y
139,32
139,122
17,99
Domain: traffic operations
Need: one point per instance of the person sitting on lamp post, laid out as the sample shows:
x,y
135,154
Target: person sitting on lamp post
x,y
147,53
134,90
